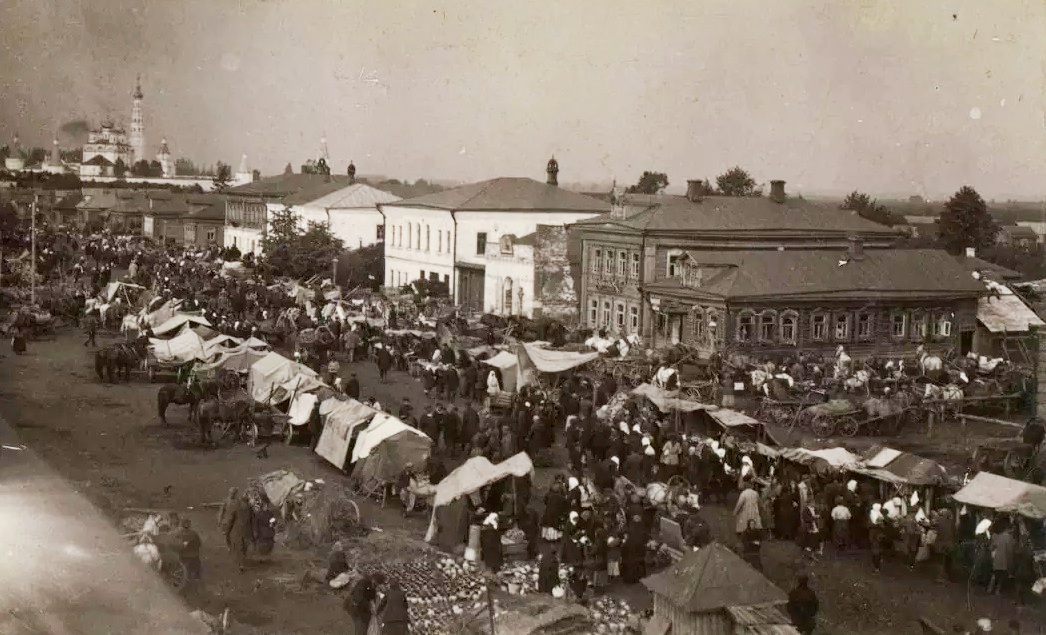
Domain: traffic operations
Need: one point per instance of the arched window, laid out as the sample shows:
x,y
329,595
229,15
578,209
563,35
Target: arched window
x,y
506,296
428,238
767,325
789,327
745,326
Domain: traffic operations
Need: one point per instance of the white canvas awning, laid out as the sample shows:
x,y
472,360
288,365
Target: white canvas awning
x,y
340,419
669,401
179,320
181,348
1006,314
478,472
270,379
1004,494
382,426
549,361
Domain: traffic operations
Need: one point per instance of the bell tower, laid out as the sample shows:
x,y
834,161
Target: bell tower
x,y
164,159
137,138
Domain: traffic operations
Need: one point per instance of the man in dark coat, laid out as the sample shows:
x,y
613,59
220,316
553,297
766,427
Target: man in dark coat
x,y
352,387
359,603
315,427
803,606
429,426
189,550
384,361
395,619
452,429
451,382
468,386
237,528
469,423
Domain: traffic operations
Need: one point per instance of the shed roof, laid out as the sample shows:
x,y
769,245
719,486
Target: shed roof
x,y
344,196
508,194
798,273
712,578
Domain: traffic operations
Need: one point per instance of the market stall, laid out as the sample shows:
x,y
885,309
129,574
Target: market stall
x,y
508,364
820,461
383,449
340,421
179,349
898,472
271,379
1001,494
177,321
449,508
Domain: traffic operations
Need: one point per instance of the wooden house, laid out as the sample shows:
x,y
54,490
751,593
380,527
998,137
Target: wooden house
x,y
713,591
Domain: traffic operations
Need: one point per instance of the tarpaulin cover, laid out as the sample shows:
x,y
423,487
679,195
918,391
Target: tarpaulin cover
x,y
509,366
383,426
300,383
1004,494
340,418
668,401
254,342
478,472
165,312
893,466
113,288
1006,313
301,409
239,359
279,484
830,457
269,375
733,418
550,361
182,348
220,344
386,458
177,321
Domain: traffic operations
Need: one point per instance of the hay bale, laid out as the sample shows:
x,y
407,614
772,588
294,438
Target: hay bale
x,y
328,514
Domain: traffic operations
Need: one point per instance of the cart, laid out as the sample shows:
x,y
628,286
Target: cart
x,y
160,371
1010,457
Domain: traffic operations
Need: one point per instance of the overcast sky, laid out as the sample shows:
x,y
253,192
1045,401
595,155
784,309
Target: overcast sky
x,y
898,97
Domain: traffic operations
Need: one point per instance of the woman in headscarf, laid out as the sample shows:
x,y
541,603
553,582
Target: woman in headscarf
x,y
548,572
556,508
876,536
490,544
633,552
395,618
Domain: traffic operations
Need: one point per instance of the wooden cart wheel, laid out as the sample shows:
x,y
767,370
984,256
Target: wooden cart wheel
x,y
176,573
849,426
823,425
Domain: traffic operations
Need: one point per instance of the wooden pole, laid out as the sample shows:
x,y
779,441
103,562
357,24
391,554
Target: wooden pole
x,y
490,605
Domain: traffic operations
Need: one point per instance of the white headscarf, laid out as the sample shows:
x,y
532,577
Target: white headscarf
x,y
492,520
572,483
650,451
876,516
852,486
573,517
616,460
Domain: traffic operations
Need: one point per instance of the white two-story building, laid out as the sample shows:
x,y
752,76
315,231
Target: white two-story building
x,y
351,212
478,238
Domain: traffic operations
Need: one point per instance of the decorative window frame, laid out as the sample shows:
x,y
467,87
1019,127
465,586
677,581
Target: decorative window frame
x,y
505,245
762,321
943,324
699,324
825,315
635,259
597,260
622,263
920,328
784,315
848,321
620,316
905,322
608,314
741,315
711,314
608,262
633,319
593,312
870,335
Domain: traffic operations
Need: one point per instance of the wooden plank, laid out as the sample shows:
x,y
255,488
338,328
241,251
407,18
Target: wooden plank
x,y
1000,422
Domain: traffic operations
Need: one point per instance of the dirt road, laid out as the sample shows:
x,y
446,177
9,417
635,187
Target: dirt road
x,y
107,441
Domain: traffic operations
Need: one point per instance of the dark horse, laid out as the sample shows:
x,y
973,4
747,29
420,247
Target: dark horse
x,y
114,363
236,411
177,394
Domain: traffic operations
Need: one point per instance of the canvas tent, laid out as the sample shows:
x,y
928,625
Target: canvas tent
x,y
820,460
181,348
164,312
552,361
477,473
385,447
902,468
1002,494
340,419
270,378
178,321
114,288
668,400
239,359
508,364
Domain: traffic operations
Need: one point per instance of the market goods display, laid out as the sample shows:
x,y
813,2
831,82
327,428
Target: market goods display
x,y
611,615
442,594
521,578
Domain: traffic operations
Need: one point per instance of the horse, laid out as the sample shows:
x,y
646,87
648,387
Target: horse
x,y
114,363
176,394
928,363
212,410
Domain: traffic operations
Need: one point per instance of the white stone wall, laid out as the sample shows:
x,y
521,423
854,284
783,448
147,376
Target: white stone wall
x,y
416,241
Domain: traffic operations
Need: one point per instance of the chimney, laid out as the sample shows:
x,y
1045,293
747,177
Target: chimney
x,y
695,190
971,252
777,191
856,248
552,171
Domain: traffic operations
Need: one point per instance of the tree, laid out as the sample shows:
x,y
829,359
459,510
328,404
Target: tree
x,y
140,168
736,182
649,183
288,170
120,168
185,167
867,207
155,169
75,155
35,155
363,267
222,177
298,252
966,222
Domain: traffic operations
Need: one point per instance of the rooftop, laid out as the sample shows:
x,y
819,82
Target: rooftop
x,y
731,214
308,186
207,207
342,196
508,194
816,273
713,578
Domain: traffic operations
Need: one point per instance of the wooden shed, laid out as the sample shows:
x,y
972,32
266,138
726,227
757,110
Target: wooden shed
x,y
713,591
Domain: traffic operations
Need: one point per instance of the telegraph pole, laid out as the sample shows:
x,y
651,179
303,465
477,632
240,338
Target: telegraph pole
x,y
32,270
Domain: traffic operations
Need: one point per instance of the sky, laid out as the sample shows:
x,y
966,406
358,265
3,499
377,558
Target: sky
x,y
889,97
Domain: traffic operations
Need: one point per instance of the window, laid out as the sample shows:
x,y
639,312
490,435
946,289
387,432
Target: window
x,y
662,324
674,265
622,263
699,324
819,326
433,276
920,325
767,324
439,241
417,237
597,258
381,232
507,296
428,238
606,313
864,326
593,312
789,327
745,326
715,325
448,241
633,319
481,243
943,325
446,280
842,326
211,234
619,315
506,245
608,261
899,324
634,273
422,275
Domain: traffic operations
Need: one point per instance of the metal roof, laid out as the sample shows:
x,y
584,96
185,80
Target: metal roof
x,y
508,194
354,196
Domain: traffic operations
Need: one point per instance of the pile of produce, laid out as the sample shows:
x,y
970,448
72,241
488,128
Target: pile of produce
x,y
521,578
611,615
443,594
